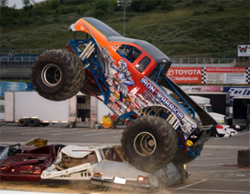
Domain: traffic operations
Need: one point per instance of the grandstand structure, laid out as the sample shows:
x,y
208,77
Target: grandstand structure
x,y
16,64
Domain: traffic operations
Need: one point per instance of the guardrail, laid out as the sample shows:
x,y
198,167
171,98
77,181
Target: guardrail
x,y
17,60
204,61
22,51
5,60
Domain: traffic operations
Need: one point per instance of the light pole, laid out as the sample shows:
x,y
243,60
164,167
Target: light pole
x,y
124,4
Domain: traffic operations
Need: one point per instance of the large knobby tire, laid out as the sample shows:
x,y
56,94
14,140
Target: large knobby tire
x,y
182,157
57,75
149,143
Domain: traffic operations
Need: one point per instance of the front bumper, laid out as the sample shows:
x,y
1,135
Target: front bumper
x,y
129,185
205,135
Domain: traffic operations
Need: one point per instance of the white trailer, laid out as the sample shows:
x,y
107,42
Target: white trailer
x,y
29,108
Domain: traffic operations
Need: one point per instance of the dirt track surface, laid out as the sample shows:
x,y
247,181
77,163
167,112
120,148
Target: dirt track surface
x,y
71,188
215,171
26,186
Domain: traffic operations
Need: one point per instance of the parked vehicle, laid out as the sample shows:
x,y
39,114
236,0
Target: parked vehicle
x,y
218,100
28,166
224,131
221,129
30,109
204,103
131,76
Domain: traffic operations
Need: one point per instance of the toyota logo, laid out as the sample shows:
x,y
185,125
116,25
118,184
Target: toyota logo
x,y
170,72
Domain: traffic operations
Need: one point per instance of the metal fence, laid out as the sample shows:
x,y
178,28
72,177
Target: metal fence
x,y
204,61
12,61
6,60
22,51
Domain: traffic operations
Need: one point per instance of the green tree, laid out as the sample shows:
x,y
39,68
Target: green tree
x,y
166,5
104,8
4,3
143,5
26,3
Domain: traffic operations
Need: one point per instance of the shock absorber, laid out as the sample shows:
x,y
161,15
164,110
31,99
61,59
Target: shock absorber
x,y
87,51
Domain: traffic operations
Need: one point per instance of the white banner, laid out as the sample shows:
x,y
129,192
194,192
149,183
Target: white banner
x,y
243,50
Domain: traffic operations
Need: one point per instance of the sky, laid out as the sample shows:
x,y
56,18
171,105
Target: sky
x,y
19,3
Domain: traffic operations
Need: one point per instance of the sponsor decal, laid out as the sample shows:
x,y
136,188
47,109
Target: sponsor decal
x,y
228,75
118,112
243,50
111,99
115,47
201,88
237,92
184,71
116,95
11,86
163,99
185,74
226,69
111,89
122,111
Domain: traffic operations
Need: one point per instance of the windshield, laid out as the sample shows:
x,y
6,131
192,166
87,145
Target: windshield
x,y
131,53
2,149
208,108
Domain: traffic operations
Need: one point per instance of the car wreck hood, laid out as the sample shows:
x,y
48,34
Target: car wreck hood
x,y
75,151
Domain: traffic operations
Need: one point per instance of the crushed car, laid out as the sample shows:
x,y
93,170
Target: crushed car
x,y
28,165
121,175
105,166
74,163
8,150
131,76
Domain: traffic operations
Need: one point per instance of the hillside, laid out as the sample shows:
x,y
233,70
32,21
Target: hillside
x,y
177,27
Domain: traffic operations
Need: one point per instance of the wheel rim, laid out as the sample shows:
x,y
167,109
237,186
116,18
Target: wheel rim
x,y
145,144
51,75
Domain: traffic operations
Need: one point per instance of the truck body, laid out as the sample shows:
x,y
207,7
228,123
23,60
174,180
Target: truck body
x,y
30,105
241,111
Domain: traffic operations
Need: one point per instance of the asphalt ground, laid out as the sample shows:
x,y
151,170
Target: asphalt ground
x,y
214,171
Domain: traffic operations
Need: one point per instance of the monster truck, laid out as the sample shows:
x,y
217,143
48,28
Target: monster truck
x,y
131,76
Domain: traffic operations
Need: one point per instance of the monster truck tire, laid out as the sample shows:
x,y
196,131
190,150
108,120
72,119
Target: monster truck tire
x,y
149,143
182,157
57,75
